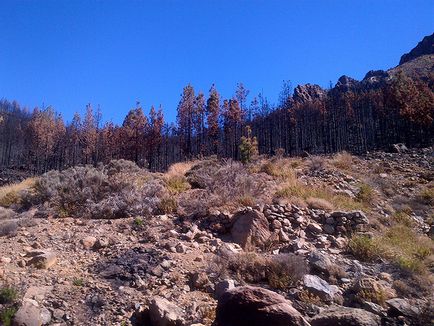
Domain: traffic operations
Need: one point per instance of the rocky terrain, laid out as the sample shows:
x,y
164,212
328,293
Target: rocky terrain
x,y
320,240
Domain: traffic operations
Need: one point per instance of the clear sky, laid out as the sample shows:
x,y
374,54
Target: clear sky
x,y
113,53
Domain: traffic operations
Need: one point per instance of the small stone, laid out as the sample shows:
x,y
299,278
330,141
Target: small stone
x,y
180,248
88,242
314,228
223,286
5,260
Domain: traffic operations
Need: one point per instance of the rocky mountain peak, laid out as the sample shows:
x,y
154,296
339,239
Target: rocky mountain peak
x,y
308,93
426,46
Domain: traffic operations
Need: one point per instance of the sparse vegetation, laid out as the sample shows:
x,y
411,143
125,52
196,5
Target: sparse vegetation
x,y
426,196
11,194
8,295
7,315
279,271
343,160
363,247
366,194
78,282
8,228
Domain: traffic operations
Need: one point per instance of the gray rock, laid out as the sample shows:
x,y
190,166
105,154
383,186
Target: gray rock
x,y
164,313
29,314
251,228
320,262
401,307
345,316
321,288
223,286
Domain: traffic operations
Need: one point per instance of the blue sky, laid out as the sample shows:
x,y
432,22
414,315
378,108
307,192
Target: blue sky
x,y
113,53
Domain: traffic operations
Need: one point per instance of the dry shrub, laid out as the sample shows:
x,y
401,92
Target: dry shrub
x,y
319,203
223,186
343,160
247,267
316,163
285,270
426,196
279,271
116,190
11,194
8,228
177,183
167,205
278,168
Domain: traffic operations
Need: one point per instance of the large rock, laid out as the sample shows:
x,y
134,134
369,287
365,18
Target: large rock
x,y
308,93
250,228
253,306
321,288
401,307
164,313
345,316
320,262
29,314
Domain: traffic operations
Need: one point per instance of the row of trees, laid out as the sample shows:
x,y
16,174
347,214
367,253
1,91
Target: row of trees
x,y
357,118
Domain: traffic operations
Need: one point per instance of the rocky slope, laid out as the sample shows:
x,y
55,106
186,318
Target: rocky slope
x,y
314,248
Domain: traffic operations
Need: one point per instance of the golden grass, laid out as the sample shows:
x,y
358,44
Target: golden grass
x,y
296,190
278,168
180,168
9,194
399,244
342,160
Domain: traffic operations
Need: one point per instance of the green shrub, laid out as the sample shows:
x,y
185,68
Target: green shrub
x,y
7,315
78,282
365,194
8,295
363,247
248,146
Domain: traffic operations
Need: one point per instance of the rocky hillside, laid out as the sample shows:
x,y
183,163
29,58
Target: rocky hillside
x,y
320,240
424,47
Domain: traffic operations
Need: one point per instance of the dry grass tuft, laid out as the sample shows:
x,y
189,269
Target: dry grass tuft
x,y
180,168
319,203
342,160
279,271
400,244
10,194
297,191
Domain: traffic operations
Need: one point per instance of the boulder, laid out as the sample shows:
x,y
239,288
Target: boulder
x,y
321,288
401,307
250,228
164,313
345,316
254,306
223,286
320,262
29,314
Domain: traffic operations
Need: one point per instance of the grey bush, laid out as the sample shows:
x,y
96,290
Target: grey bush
x,y
116,190
8,228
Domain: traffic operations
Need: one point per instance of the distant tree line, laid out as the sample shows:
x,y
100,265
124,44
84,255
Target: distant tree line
x,y
352,116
